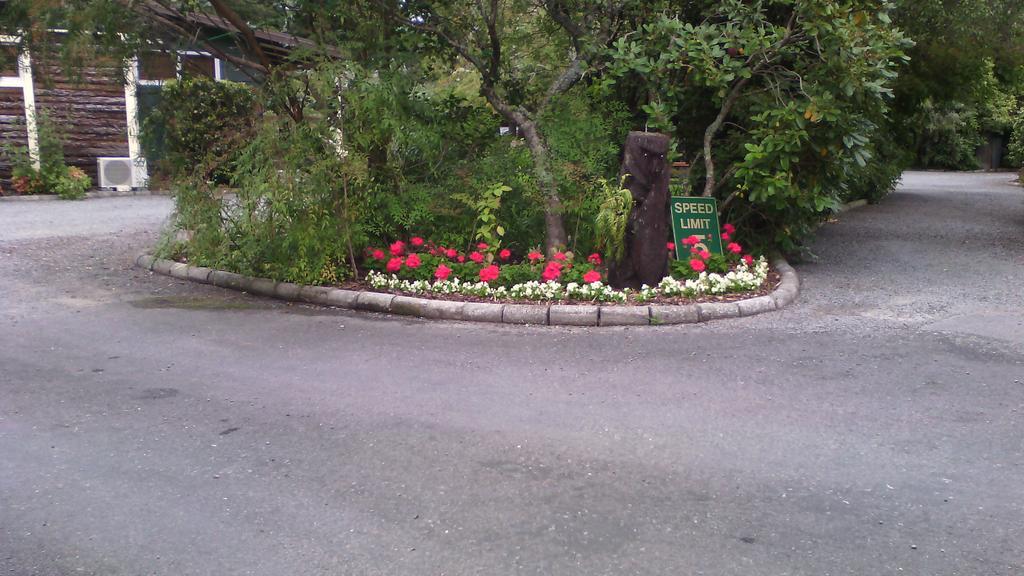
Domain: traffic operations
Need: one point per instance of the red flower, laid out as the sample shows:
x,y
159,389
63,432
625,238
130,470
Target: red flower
x,y
394,265
482,246
725,236
535,256
413,261
594,259
729,228
698,265
377,254
704,254
416,241
476,257
670,246
398,248
451,253
691,241
442,272
592,276
560,256
505,254
748,259
552,271
734,248
489,273
461,259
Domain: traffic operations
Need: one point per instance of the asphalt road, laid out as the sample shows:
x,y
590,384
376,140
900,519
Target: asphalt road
x,y
154,427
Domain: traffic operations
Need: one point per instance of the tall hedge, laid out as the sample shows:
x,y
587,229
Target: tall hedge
x,y
195,125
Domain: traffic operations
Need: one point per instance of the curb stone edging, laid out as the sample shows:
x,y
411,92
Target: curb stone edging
x,y
88,195
493,312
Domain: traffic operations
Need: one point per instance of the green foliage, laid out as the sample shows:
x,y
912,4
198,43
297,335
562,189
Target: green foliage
x,y
584,132
53,176
195,127
947,136
791,96
1015,155
616,202
963,78
291,218
72,184
486,205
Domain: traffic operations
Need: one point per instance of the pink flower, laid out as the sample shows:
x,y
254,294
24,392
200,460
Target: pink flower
x,y
670,246
416,241
698,265
592,276
461,259
476,257
594,259
704,254
748,259
482,246
552,271
560,256
734,248
691,241
377,254
451,253
413,261
505,254
394,265
534,256
398,248
442,272
489,273
729,228
725,236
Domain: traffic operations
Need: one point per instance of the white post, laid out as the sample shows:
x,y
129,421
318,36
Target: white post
x,y
140,172
29,95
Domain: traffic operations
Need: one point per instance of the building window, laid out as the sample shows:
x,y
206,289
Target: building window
x,y
157,66
198,65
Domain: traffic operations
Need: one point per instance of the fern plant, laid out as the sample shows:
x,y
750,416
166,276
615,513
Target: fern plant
x,y
612,218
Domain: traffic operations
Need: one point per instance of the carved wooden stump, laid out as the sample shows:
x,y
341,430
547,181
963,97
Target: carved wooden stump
x,y
645,160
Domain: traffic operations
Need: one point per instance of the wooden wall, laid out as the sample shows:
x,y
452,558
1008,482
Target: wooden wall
x,y
88,109
12,129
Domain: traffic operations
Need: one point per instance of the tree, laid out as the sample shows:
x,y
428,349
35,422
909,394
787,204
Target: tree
x,y
779,99
526,53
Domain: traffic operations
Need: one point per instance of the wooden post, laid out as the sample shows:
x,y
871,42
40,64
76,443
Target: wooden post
x,y
645,161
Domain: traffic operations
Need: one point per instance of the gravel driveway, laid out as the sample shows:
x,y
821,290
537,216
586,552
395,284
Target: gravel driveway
x,y
151,426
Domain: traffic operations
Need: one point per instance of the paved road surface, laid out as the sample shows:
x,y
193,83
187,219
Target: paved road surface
x,y
149,426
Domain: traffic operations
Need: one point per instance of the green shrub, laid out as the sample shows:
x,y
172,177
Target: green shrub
x,y
1015,153
72,184
53,176
196,125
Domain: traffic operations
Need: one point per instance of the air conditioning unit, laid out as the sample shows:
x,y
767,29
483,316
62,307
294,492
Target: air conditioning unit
x,y
115,173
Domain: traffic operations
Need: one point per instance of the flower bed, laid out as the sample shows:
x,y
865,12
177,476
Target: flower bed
x,y
424,268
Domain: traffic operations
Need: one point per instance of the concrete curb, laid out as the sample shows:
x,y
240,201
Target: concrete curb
x,y
88,195
539,314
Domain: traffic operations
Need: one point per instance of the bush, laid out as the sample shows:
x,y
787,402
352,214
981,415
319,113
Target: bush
x,y
196,125
72,184
1015,155
53,175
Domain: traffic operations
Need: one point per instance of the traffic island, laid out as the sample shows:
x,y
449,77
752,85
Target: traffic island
x,y
549,314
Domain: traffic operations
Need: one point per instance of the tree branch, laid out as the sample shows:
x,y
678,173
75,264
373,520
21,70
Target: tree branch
x,y
762,58
227,13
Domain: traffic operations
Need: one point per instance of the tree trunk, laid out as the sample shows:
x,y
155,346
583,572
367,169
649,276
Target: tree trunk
x,y
555,236
645,165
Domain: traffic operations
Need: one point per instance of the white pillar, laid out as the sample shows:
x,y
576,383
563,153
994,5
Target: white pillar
x,y
29,95
140,171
